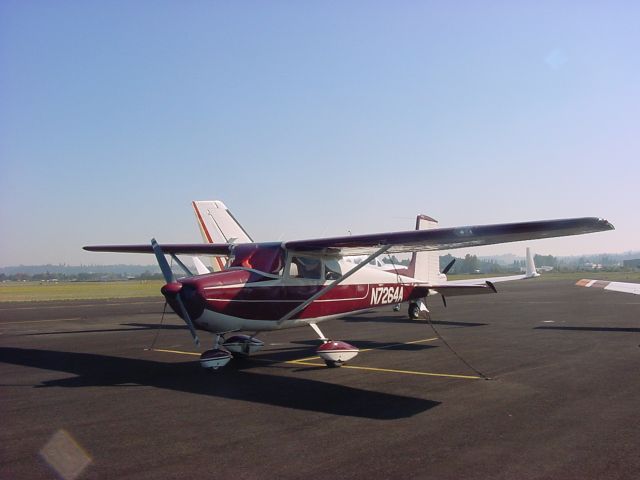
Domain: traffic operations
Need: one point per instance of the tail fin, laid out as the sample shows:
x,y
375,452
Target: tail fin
x,y
531,266
425,266
218,225
201,268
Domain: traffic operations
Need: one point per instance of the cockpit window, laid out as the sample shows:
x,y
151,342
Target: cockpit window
x,y
264,258
305,267
332,270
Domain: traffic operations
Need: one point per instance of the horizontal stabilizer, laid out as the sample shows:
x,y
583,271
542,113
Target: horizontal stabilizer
x,y
624,287
201,268
458,290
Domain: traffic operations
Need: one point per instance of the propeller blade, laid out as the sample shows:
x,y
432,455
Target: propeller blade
x,y
162,262
170,279
444,301
187,320
448,267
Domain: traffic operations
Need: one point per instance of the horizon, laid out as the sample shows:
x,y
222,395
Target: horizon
x,y
313,120
442,253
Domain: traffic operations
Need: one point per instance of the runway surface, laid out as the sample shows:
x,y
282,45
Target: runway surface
x,y
80,393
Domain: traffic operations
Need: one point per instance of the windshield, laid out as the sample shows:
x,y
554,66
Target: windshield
x,y
267,258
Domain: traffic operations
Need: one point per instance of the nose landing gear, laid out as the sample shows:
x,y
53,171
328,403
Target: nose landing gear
x,y
221,354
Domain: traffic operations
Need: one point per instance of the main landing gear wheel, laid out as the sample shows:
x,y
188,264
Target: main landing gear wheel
x,y
336,353
414,311
333,364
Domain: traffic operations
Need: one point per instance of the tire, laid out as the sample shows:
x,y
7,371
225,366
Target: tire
x,y
331,364
414,311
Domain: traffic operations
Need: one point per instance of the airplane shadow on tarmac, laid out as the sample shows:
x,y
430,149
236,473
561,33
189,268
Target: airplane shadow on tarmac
x,y
291,392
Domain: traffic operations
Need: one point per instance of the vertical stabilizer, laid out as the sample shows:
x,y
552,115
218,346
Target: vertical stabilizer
x,y
218,225
425,266
531,266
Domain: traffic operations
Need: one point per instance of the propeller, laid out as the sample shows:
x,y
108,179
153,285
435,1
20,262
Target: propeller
x,y
173,288
448,267
444,272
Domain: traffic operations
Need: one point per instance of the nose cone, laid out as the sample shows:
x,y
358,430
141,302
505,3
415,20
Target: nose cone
x,y
171,289
191,298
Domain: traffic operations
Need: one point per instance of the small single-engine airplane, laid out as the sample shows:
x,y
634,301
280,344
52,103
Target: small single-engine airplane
x,y
624,287
277,285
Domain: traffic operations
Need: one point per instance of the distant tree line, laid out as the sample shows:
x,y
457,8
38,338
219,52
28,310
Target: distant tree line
x,y
77,277
473,264
463,265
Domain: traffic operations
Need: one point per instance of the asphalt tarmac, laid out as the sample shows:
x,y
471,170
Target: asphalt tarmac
x,y
81,393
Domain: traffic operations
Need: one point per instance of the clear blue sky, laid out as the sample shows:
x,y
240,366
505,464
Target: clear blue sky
x,y
313,118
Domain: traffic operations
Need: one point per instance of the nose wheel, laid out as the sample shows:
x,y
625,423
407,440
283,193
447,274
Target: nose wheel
x,y
217,357
224,350
214,359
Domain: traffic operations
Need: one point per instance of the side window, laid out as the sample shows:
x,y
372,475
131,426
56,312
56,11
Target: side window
x,y
305,267
332,270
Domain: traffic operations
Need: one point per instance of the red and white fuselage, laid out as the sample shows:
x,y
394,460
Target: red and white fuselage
x,y
246,299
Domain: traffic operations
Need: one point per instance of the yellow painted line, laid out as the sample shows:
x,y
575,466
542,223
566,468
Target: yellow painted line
x,y
411,372
305,361
400,344
377,348
175,351
390,370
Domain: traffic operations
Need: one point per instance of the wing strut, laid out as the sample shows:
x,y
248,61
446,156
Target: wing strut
x,y
334,284
182,265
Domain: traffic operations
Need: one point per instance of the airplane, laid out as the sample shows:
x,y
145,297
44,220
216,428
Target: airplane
x,y
276,285
216,223
625,287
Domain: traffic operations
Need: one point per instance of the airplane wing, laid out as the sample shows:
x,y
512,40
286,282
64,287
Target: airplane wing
x,y
450,238
624,287
400,242
219,249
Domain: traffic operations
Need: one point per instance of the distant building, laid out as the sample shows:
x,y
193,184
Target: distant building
x,y
635,263
591,266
